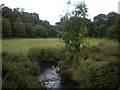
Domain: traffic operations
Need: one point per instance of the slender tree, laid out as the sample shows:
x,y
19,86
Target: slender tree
x,y
75,29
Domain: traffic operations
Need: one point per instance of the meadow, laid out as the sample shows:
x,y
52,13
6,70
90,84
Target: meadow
x,y
23,45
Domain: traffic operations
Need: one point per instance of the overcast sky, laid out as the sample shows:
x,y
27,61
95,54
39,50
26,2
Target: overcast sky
x,y
51,10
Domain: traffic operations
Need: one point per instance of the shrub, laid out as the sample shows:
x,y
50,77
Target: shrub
x,y
98,66
106,76
46,54
19,72
92,74
81,74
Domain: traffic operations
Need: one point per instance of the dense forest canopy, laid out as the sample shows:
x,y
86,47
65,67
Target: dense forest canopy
x,y
18,23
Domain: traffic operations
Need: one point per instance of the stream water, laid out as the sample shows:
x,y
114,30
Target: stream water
x,y
52,78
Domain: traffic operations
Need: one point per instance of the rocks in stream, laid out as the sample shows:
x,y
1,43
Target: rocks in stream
x,y
51,77
57,69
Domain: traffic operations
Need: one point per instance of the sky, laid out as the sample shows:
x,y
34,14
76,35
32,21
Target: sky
x,y
52,10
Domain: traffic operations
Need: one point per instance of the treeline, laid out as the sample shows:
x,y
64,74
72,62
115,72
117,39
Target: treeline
x,y
102,26
18,23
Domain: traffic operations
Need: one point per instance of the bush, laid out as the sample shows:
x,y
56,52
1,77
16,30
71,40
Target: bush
x,y
45,54
19,72
106,76
92,74
98,66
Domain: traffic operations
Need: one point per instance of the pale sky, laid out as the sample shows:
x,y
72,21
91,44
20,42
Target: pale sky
x,y
51,10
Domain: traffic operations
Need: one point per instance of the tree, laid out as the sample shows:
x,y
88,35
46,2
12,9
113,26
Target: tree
x,y
18,29
26,22
47,26
112,32
89,25
113,24
30,32
99,23
74,34
16,14
75,29
40,31
26,17
6,28
6,12
53,31
80,10
35,18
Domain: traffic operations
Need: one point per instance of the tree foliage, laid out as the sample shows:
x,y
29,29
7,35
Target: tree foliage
x,y
113,24
99,25
74,33
18,29
18,23
40,31
30,32
6,28
105,26
80,10
75,29
24,23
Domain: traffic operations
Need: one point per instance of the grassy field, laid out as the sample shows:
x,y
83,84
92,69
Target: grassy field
x,y
23,45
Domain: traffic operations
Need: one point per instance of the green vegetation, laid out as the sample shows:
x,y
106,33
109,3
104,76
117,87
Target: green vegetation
x,y
74,37
23,45
18,23
89,62
45,54
6,28
19,72
98,66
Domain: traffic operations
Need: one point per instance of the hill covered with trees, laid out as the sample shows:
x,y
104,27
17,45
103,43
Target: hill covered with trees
x,y
18,23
